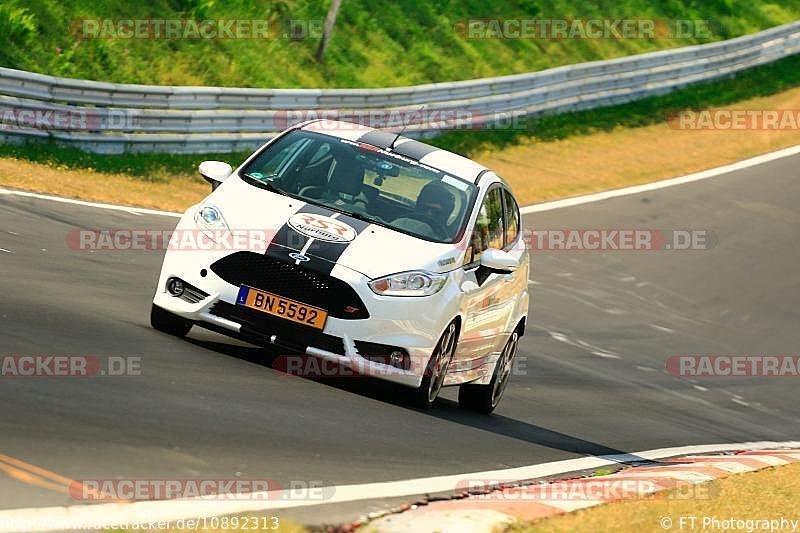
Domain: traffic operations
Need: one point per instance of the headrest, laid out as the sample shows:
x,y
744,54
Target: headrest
x,y
347,177
437,193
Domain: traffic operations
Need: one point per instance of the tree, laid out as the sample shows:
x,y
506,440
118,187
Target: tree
x,y
327,29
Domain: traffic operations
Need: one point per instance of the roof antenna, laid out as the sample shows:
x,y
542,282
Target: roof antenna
x,y
397,137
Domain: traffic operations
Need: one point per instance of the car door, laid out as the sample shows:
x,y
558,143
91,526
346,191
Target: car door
x,y
488,301
515,290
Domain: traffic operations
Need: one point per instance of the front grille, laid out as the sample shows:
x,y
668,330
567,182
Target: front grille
x,y
288,334
291,281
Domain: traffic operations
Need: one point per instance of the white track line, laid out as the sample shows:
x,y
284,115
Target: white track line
x,y
132,210
83,516
535,208
636,189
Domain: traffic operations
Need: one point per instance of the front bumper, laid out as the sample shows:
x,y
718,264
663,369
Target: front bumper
x,y
414,324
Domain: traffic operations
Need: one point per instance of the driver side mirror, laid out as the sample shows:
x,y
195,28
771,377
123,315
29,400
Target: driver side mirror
x,y
498,261
215,172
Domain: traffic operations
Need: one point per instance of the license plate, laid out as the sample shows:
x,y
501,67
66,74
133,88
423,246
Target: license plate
x,y
275,305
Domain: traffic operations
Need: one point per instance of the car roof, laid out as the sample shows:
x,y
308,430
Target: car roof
x,y
426,154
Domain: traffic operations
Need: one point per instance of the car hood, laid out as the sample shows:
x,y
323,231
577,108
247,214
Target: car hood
x,y
287,223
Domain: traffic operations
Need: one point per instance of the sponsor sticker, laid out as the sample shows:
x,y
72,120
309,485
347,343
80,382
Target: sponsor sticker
x,y
322,228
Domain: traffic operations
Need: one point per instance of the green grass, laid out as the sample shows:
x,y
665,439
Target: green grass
x,y
153,167
377,43
761,81
765,495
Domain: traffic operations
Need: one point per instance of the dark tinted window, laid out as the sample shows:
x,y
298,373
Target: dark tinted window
x,y
362,180
488,232
512,217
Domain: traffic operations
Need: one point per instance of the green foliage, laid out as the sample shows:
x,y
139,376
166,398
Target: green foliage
x,y
17,27
761,81
153,167
376,42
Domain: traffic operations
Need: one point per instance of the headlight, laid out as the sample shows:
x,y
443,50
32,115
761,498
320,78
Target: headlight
x,y
414,283
210,217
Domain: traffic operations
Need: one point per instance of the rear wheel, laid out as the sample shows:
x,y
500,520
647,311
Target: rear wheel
x,y
163,320
484,398
436,370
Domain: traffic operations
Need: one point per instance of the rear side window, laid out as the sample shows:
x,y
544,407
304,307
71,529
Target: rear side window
x,y
488,232
512,218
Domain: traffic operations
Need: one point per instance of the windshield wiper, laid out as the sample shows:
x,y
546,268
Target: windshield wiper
x,y
353,214
265,182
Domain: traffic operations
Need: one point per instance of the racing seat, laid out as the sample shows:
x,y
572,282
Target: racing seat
x,y
344,186
435,204
314,175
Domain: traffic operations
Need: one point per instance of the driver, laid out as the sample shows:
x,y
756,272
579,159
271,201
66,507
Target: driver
x,y
436,203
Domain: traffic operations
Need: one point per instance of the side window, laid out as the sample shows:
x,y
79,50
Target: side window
x,y
488,232
512,218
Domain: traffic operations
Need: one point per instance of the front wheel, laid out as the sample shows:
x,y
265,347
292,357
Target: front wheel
x,y
163,320
435,372
484,398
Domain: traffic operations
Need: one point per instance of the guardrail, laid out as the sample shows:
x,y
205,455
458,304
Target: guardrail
x,y
116,118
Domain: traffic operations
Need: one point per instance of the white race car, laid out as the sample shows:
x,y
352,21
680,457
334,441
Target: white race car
x,y
381,253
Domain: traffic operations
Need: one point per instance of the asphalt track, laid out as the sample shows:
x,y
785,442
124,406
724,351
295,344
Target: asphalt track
x,y
601,328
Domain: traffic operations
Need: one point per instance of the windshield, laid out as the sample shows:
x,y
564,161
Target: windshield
x,y
366,182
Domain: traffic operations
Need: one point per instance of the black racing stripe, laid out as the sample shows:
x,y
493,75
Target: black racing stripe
x,y
322,254
380,138
356,223
316,264
414,149
332,251
316,210
287,237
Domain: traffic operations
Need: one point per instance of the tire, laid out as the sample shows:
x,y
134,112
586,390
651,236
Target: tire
x,y
484,398
425,395
167,322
